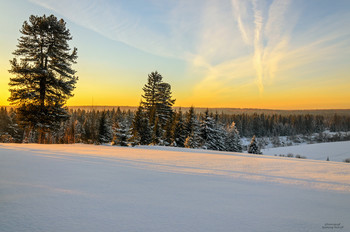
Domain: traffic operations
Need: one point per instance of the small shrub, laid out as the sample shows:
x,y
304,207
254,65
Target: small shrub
x,y
300,157
347,160
290,155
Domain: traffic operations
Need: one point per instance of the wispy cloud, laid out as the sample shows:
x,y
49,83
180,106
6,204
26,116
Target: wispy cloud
x,y
224,42
258,47
120,23
270,34
240,13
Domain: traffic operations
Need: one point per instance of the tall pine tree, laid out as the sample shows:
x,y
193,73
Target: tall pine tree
x,y
44,78
157,102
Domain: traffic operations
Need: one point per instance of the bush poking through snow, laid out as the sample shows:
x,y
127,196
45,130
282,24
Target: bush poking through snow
x,y
290,155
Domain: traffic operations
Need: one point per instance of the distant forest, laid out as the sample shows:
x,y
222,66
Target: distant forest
x,y
107,126
229,111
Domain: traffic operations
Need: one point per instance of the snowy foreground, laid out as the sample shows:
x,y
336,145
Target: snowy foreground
x,y
336,151
104,188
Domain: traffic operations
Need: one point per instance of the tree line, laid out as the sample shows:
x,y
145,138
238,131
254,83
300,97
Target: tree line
x,y
267,125
183,129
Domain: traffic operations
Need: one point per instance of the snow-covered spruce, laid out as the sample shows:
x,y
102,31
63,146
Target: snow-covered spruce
x,y
253,147
122,134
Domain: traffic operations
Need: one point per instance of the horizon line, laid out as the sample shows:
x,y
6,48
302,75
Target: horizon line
x,y
203,107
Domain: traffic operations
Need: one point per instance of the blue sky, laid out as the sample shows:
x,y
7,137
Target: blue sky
x,y
261,54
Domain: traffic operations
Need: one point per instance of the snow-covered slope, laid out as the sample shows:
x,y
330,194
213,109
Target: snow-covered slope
x,y
336,151
104,188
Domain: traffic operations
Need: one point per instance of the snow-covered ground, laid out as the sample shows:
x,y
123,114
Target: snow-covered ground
x,y
104,188
336,151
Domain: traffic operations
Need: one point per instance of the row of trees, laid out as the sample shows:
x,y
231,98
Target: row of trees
x,y
130,128
182,129
270,125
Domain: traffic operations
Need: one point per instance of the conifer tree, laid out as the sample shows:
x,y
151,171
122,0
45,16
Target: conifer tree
x,y
79,131
157,102
136,127
233,140
141,133
122,134
220,136
209,132
168,136
253,147
145,132
44,79
105,130
194,140
179,130
190,121
88,132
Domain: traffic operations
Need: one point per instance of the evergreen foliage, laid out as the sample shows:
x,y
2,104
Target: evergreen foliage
x,y
157,102
179,130
253,147
233,140
190,121
194,139
9,129
141,133
105,130
168,136
209,133
44,79
221,135
157,133
122,134
83,127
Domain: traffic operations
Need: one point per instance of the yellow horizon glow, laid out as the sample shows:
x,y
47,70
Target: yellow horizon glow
x,y
91,91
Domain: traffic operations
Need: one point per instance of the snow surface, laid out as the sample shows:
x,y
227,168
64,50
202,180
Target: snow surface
x,y
336,151
104,188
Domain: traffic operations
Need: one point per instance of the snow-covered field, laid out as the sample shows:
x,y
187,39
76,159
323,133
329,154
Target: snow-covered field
x,y
104,188
336,151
